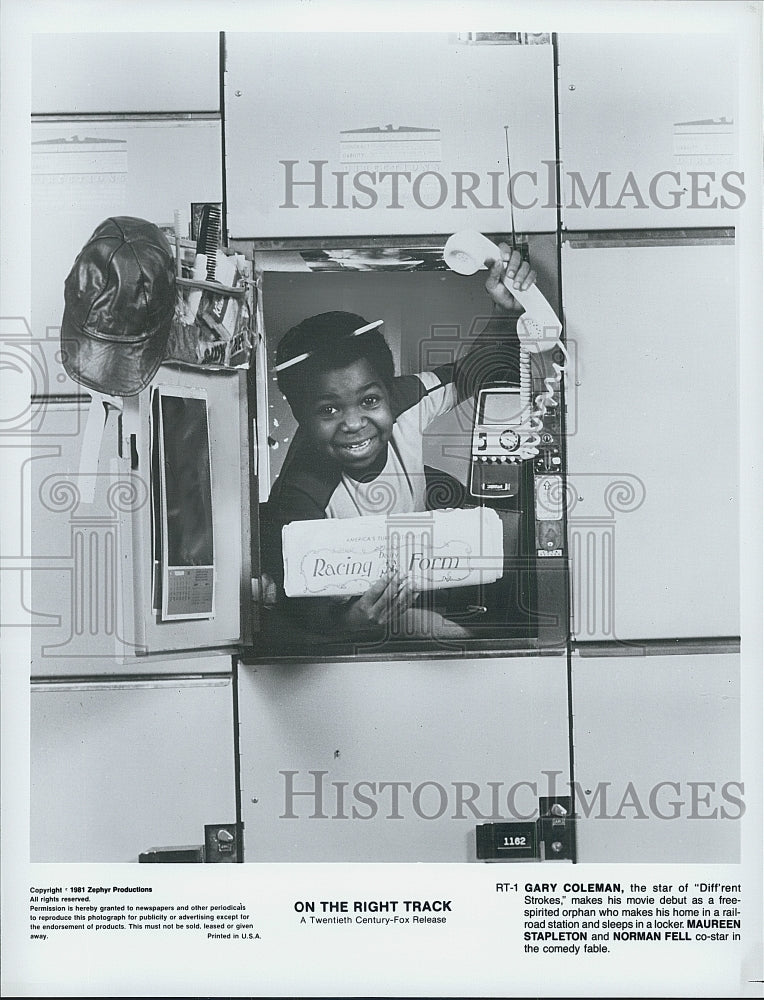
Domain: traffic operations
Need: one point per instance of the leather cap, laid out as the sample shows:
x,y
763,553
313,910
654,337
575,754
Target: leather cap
x,y
119,303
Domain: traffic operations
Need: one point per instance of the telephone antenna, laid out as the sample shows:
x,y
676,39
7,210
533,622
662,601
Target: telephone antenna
x,y
509,188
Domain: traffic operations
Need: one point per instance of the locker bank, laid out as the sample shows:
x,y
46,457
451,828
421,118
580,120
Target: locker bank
x,y
581,704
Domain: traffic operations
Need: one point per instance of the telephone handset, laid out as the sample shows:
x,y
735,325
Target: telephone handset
x,y
538,328
505,433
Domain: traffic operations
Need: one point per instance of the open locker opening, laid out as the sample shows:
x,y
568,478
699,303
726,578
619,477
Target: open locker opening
x,y
430,317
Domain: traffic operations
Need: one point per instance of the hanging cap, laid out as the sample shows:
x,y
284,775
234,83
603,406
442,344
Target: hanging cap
x,y
119,304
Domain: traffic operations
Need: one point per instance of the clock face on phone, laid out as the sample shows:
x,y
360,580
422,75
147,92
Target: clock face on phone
x,y
509,439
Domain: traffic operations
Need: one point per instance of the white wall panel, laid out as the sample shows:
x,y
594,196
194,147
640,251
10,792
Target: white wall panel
x,y
640,105
653,440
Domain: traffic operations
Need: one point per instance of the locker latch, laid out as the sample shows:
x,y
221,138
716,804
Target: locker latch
x,y
221,843
551,837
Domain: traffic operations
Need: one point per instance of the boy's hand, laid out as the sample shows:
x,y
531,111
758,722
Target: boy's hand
x,y
382,604
510,266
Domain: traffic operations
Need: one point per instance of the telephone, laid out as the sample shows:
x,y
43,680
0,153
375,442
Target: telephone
x,y
496,441
511,424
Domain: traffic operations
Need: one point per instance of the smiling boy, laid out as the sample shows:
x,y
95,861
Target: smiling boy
x,y
358,449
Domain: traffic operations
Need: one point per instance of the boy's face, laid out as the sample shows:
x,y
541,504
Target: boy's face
x,y
348,417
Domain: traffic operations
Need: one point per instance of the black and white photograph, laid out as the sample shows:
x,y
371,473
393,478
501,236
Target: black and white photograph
x,y
381,449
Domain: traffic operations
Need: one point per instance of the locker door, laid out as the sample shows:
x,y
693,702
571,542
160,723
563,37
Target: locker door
x,y
230,473
158,72
330,117
90,584
119,768
635,109
82,615
653,438
657,750
493,729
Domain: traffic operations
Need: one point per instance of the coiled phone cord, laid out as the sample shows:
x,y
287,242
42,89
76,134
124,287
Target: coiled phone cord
x,y
535,423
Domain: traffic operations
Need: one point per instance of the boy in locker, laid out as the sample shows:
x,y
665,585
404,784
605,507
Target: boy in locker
x,y
358,447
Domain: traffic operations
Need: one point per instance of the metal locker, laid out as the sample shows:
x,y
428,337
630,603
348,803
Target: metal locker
x,y
653,786
649,131
652,436
121,767
79,75
316,738
444,137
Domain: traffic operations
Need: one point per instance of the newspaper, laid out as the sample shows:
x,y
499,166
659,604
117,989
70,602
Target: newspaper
x,y
342,558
